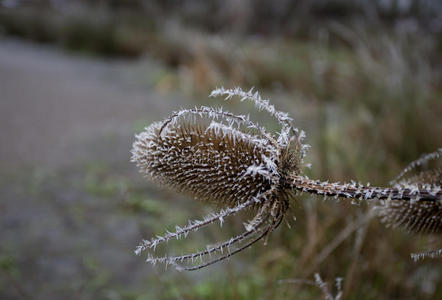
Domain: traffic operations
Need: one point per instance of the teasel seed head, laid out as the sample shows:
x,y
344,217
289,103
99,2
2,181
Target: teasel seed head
x,y
416,216
225,158
208,161
216,155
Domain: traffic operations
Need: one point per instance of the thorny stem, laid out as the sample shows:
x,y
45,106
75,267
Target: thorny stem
x,y
268,228
192,227
353,191
211,250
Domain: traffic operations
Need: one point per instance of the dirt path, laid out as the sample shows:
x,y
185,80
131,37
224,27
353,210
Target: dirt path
x,y
52,105
67,231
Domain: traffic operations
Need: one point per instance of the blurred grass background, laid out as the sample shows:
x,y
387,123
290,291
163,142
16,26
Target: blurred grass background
x,y
363,79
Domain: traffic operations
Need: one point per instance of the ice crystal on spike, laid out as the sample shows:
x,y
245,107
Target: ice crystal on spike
x,y
217,156
429,254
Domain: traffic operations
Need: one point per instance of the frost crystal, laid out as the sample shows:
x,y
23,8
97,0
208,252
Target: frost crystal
x,y
429,254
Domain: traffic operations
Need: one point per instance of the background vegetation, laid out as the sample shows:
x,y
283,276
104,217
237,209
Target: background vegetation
x,y
363,79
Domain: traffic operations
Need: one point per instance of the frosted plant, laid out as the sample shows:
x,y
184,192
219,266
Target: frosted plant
x,y
227,159
319,283
325,290
427,254
416,216
429,176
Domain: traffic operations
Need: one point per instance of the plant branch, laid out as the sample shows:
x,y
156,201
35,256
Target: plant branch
x,y
354,191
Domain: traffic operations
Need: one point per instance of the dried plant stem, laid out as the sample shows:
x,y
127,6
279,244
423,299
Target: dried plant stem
x,y
341,237
352,274
230,253
416,208
355,191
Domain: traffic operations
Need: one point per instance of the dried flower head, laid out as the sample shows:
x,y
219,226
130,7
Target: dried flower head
x,y
210,162
416,216
225,158
230,160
